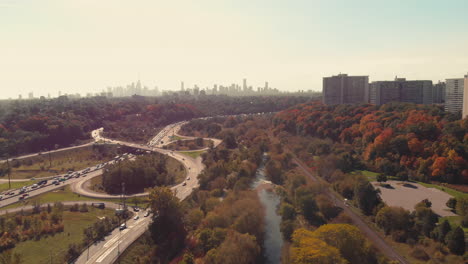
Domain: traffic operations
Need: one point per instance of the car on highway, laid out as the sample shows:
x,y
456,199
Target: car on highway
x,y
34,186
122,226
1,197
56,182
185,183
147,213
188,178
136,209
136,217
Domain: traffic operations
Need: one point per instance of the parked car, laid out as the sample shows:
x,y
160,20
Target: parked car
x,y
136,217
122,226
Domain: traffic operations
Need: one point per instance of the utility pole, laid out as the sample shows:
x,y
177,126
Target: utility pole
x,y
50,159
8,171
123,200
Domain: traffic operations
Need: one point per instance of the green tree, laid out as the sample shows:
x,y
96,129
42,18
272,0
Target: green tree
x,y
167,229
381,178
442,230
287,211
366,196
451,203
456,241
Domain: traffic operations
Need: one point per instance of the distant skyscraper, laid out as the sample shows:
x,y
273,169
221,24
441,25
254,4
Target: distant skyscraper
x,y
20,96
182,86
31,95
344,89
266,86
60,93
244,86
454,95
465,97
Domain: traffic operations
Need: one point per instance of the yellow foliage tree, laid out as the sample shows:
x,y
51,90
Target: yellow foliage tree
x,y
348,240
307,249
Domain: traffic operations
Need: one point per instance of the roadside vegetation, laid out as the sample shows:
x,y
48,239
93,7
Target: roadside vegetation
x,y
53,234
44,165
191,144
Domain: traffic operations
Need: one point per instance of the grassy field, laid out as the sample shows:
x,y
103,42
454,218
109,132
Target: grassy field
x,y
454,222
60,195
75,159
187,145
175,138
65,194
450,191
174,167
15,185
192,154
53,249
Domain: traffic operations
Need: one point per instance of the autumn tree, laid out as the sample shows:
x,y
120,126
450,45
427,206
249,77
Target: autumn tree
x,y
393,219
348,240
306,249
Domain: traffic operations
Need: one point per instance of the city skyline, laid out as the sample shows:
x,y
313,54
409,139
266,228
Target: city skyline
x,y
86,46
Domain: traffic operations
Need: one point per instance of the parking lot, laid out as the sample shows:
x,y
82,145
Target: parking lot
x,y
407,195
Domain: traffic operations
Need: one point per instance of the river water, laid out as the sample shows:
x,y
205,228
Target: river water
x,y
273,240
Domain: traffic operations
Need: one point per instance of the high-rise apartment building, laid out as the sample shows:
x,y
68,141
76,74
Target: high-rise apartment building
x,y
438,93
344,89
454,94
400,90
465,97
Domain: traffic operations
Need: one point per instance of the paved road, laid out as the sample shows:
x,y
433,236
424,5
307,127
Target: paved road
x,y
11,199
108,250
68,203
113,245
375,238
46,152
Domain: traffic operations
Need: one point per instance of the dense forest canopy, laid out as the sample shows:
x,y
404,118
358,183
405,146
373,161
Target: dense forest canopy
x,y
28,126
399,139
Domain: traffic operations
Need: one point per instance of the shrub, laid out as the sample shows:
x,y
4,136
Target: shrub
x,y
420,254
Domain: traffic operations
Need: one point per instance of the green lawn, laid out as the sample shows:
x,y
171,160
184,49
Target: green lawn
x,y
454,222
59,195
371,176
454,193
193,154
53,249
15,185
64,195
172,138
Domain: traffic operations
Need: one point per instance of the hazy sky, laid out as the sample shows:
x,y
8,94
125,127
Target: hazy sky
x,y
87,45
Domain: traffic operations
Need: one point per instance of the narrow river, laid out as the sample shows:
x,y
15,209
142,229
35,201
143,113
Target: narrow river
x,y
273,240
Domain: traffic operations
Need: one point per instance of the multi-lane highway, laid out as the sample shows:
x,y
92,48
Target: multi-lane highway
x,y
109,249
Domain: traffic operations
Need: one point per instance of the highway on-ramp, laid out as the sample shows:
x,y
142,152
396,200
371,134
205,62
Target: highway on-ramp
x,y
108,250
